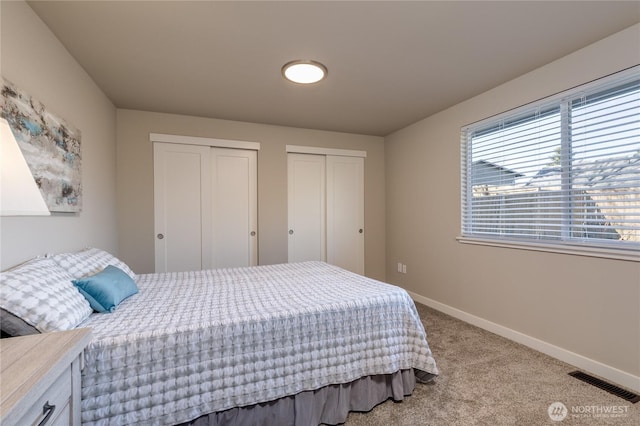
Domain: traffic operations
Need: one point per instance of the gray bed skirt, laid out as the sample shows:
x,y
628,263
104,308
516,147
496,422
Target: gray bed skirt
x,y
328,405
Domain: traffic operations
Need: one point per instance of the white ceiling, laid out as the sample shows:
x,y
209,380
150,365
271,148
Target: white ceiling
x,y
390,63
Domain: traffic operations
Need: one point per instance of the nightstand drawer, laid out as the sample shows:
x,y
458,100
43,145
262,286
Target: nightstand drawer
x,y
40,369
58,395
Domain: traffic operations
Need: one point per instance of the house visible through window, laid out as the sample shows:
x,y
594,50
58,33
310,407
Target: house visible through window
x,y
564,170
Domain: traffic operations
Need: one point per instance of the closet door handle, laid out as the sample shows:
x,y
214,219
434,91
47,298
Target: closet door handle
x,y
290,231
253,233
160,236
360,230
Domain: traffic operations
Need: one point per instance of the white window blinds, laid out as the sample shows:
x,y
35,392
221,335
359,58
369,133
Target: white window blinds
x,y
563,170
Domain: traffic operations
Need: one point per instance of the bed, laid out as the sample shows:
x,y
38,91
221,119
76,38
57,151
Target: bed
x,y
299,344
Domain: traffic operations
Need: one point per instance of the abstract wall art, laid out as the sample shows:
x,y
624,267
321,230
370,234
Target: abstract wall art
x,y
50,146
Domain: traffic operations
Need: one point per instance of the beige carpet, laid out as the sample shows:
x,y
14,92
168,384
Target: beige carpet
x,y
488,380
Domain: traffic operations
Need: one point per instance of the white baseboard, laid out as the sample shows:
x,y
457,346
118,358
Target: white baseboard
x,y
607,372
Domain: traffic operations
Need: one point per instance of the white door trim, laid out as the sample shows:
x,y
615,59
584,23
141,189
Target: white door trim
x,y
298,149
196,140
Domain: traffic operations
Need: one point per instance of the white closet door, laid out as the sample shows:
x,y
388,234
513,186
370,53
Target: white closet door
x,y
205,202
345,212
306,207
234,207
181,202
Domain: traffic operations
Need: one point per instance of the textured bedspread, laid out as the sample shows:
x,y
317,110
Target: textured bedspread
x,y
198,342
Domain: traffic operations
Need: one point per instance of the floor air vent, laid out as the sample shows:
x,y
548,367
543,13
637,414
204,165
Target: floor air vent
x,y
619,392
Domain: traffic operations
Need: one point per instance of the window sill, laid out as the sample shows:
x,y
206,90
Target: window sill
x,y
629,255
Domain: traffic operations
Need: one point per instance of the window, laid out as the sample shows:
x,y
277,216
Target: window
x,y
562,171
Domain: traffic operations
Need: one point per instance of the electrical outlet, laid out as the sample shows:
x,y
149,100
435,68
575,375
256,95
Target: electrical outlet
x,y
399,267
404,269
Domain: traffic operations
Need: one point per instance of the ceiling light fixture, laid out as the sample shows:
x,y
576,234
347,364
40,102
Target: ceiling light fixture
x,y
304,72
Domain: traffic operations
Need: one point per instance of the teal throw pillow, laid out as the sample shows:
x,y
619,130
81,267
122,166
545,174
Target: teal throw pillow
x,y
105,290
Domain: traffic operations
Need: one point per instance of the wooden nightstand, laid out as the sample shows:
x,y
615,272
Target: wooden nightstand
x,y
39,372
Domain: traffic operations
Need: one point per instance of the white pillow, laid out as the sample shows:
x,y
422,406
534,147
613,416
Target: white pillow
x,y
89,261
41,293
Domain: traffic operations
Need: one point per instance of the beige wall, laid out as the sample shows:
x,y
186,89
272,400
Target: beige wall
x,y
135,182
33,59
584,305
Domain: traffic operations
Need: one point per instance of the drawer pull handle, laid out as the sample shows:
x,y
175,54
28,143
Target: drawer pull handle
x,y
47,412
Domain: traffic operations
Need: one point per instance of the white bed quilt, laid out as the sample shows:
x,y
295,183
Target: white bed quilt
x,y
198,342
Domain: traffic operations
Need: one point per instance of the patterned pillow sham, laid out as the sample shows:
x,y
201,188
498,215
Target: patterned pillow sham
x,y
41,293
89,261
